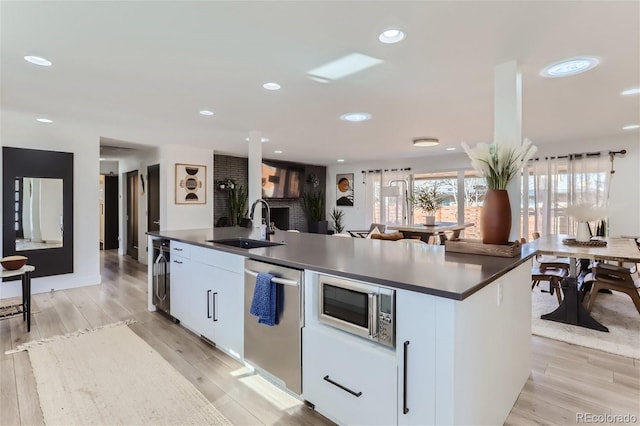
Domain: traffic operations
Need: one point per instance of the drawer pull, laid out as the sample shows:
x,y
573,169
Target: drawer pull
x,y
208,304
405,409
177,249
178,262
356,394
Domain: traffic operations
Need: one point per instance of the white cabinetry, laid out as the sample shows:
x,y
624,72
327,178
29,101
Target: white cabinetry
x,y
415,349
349,380
207,294
181,288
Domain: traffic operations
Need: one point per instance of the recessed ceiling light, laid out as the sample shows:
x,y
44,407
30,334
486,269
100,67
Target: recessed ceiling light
x,y
355,116
426,142
277,151
569,67
271,86
263,140
391,36
631,127
342,67
629,92
44,120
340,160
206,112
37,60
451,149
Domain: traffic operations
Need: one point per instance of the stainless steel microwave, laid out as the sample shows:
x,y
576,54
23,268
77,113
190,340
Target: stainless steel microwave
x,y
363,309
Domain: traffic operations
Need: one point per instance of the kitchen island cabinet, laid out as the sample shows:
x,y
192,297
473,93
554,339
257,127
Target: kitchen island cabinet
x,y
463,326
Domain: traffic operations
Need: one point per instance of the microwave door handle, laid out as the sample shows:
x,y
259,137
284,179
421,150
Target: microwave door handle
x,y
373,315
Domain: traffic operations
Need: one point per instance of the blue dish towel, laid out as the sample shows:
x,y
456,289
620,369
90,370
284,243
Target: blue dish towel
x,y
263,304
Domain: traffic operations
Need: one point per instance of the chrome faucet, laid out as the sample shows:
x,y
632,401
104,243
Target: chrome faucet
x,y
268,218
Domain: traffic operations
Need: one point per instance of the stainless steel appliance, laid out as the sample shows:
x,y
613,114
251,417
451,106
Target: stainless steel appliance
x,y
363,309
276,350
161,277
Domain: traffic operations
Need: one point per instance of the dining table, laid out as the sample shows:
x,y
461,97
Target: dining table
x,y
426,231
571,310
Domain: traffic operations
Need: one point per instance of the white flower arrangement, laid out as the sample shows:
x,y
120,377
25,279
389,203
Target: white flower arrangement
x,y
499,163
582,212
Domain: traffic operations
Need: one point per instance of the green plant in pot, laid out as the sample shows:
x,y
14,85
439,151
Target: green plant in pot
x,y
428,200
337,216
313,203
237,198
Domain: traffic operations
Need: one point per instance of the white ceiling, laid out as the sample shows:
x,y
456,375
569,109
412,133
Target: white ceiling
x,y
140,72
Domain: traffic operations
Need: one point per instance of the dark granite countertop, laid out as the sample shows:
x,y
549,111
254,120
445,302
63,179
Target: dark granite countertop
x,y
416,267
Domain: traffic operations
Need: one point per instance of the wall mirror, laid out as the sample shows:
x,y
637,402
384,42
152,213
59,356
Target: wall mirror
x,y
37,208
38,213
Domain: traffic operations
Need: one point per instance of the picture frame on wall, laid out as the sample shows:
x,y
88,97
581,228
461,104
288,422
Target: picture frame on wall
x,y
344,190
191,184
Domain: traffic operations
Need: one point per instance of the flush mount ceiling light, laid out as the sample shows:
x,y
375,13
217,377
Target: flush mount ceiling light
x,y
263,140
355,117
451,149
206,112
629,92
44,120
631,127
271,86
391,36
342,67
426,142
340,160
37,60
569,67
277,151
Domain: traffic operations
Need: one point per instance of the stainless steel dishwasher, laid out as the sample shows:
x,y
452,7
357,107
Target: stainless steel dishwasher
x,y
277,350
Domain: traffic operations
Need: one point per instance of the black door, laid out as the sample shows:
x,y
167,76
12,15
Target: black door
x,y
132,214
153,200
110,212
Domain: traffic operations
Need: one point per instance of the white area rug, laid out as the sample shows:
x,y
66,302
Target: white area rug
x,y
615,311
111,376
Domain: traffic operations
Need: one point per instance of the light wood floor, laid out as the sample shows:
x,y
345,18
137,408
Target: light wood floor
x,y
565,379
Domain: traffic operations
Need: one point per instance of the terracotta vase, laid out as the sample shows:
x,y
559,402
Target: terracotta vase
x,y
495,219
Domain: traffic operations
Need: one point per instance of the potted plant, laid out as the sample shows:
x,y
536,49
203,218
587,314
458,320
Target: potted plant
x,y
313,203
337,215
429,200
498,164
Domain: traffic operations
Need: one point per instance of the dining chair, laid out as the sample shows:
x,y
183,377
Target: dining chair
x,y
551,274
616,278
340,234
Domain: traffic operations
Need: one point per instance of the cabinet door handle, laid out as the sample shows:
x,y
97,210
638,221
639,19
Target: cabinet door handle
x,y
405,409
177,261
344,388
208,304
177,249
215,308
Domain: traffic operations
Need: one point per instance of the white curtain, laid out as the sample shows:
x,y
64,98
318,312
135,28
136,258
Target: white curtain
x,y
386,195
555,184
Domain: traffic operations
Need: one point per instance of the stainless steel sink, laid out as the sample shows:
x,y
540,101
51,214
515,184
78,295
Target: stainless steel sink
x,y
245,243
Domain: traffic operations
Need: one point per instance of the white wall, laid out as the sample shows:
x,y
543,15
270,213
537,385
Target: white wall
x,y
172,216
184,216
108,167
22,131
624,215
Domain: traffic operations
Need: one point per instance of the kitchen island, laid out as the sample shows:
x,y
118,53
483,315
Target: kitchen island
x,y
462,324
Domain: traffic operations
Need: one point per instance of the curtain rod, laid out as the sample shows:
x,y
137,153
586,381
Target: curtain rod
x,y
386,170
620,153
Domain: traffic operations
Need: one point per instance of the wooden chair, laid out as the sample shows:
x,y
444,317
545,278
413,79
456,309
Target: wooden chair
x,y
363,234
553,275
616,278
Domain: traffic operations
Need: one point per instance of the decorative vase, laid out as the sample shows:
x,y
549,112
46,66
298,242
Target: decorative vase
x,y
583,234
495,219
430,220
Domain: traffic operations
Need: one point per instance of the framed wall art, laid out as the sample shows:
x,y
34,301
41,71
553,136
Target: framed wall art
x,y
191,184
344,189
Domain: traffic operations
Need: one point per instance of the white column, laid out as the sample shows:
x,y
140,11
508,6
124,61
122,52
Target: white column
x,y
507,117
255,174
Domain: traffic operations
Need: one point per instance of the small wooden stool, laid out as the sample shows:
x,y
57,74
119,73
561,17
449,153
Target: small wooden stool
x,y
25,306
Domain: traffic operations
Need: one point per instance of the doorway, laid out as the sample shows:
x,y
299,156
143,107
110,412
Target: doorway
x,y
132,214
153,198
110,236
